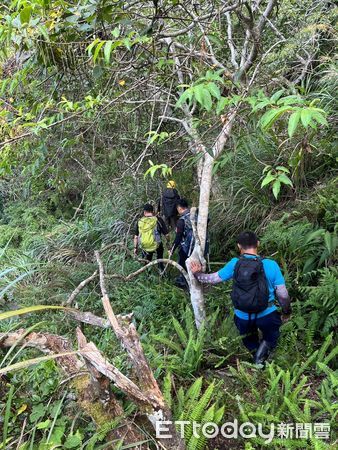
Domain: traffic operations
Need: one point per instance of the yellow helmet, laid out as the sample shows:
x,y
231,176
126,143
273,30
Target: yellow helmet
x,y
171,184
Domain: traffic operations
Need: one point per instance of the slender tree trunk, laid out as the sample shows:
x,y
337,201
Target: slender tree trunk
x,y
196,289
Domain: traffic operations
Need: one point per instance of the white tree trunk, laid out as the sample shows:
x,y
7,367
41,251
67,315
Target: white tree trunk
x,y
196,289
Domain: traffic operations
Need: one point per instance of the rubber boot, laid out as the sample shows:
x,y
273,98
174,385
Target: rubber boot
x,y
262,353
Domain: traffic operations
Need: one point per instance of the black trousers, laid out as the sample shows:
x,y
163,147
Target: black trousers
x,y
182,257
170,222
159,255
268,325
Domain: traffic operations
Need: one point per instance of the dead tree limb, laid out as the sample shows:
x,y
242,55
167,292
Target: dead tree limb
x,y
147,393
93,394
78,289
89,318
147,266
151,404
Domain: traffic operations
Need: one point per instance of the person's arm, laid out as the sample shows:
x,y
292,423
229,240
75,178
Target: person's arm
x,y
162,227
213,278
179,235
283,298
136,240
208,278
281,291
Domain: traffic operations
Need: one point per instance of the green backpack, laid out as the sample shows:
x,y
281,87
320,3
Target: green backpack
x,y
149,235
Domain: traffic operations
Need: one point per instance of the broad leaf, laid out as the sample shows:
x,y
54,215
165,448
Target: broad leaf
x,y
184,97
306,117
25,14
290,100
207,100
319,117
221,104
203,96
293,122
261,105
283,169
268,180
285,179
92,45
276,188
214,90
276,96
115,32
268,119
107,51
97,50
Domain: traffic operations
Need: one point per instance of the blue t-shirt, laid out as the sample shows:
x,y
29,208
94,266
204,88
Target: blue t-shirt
x,y
273,275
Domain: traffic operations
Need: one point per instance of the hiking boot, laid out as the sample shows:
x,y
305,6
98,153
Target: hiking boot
x,y
262,353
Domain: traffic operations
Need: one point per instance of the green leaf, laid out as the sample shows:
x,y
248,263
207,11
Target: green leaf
x,y
277,95
276,188
30,309
306,117
31,362
187,95
290,100
328,241
25,14
92,45
270,117
214,90
203,96
199,93
43,425
283,169
73,440
107,51
115,32
207,100
268,180
97,50
285,179
293,122
261,105
221,104
319,117
38,411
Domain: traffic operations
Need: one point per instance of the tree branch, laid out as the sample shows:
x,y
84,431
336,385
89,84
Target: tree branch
x,y
78,289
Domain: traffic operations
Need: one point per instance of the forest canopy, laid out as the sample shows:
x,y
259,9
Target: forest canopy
x,y
102,105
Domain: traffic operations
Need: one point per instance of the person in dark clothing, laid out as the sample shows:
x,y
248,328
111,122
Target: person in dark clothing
x,y
184,234
268,319
168,203
148,235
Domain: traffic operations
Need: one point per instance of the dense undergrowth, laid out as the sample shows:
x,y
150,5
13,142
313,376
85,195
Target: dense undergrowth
x,y
84,88
44,258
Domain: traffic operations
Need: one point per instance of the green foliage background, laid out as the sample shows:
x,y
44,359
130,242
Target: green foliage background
x,y
74,129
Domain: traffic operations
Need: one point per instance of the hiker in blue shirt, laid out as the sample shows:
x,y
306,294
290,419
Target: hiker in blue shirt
x,y
257,283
